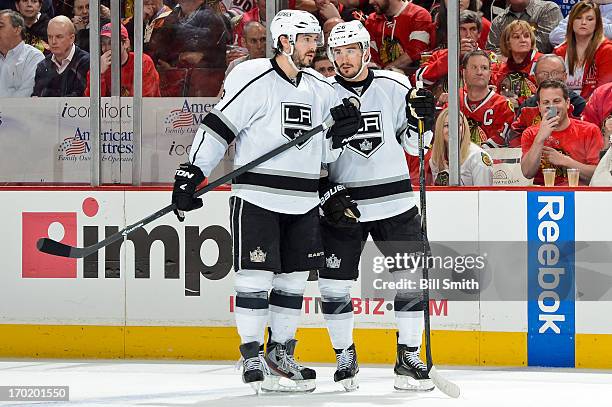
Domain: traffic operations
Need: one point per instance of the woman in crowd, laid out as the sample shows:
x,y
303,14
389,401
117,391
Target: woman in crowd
x,y
515,78
587,53
476,164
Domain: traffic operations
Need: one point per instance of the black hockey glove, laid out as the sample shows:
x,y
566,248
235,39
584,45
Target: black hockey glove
x,y
338,206
186,180
420,104
347,119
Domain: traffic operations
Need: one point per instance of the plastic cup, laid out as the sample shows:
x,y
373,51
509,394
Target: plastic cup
x,y
573,175
549,177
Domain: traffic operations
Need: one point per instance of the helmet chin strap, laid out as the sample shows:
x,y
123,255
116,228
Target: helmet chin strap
x,y
364,62
290,59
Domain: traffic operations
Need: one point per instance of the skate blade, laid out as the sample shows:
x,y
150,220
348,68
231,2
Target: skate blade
x,y
350,384
256,386
407,383
278,384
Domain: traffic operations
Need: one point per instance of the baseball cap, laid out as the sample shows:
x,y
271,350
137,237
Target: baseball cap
x,y
105,31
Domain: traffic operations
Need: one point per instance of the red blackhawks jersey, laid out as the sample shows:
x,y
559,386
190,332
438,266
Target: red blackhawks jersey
x,y
489,119
580,140
408,32
518,79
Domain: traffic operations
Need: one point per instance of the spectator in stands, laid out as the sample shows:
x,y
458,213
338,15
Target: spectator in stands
x,y
153,14
255,42
549,66
489,114
559,142
323,65
64,71
542,15
400,32
81,22
257,13
440,20
192,41
18,60
515,78
557,35
599,106
150,77
476,164
193,34
35,33
47,6
587,53
598,111
434,71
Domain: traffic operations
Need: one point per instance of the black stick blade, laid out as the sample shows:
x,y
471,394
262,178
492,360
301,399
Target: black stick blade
x,y
54,248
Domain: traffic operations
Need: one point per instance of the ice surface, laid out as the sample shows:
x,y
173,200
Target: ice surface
x,y
169,384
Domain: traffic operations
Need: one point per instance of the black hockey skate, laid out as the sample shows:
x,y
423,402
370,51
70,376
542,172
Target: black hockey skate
x,y
410,371
280,360
254,365
348,368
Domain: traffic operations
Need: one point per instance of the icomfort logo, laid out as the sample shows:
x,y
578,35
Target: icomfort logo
x,y
107,111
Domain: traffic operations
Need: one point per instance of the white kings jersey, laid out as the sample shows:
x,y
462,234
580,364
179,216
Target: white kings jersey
x,y
261,109
373,166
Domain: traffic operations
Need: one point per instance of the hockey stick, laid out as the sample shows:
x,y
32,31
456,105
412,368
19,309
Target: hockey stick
x,y
447,387
50,246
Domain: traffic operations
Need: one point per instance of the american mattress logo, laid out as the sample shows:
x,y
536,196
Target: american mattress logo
x,y
185,119
64,227
551,279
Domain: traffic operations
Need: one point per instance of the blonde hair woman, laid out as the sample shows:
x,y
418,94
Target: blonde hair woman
x,y
476,164
587,53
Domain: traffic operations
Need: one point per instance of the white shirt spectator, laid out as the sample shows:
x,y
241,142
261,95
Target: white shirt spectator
x,y
557,35
61,66
18,70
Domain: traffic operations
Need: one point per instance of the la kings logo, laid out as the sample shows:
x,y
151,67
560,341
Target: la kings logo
x,y
369,138
296,120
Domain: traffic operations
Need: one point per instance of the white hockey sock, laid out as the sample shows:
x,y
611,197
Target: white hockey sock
x,y
410,320
337,308
340,320
251,316
285,313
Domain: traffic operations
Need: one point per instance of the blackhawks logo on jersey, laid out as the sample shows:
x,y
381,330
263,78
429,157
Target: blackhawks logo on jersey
x,y
390,50
296,120
518,84
369,138
477,134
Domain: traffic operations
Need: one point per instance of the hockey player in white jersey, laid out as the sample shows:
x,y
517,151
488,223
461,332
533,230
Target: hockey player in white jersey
x,y
374,171
274,207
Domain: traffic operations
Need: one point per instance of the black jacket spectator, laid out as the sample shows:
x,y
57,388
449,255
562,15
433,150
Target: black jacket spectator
x,y
37,33
71,82
47,6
